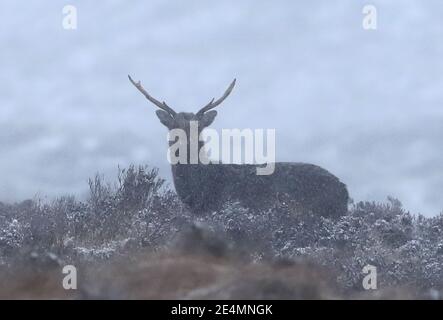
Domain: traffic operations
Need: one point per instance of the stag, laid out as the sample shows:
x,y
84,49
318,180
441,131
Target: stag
x,y
207,187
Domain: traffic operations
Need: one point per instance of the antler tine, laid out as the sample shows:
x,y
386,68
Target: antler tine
x,y
213,104
161,105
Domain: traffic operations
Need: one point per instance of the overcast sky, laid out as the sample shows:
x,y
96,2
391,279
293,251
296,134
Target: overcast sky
x,y
366,105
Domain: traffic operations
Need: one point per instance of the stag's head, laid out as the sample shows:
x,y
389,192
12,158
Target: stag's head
x,y
182,120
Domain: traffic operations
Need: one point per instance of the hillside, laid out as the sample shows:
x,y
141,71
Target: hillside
x,y
134,239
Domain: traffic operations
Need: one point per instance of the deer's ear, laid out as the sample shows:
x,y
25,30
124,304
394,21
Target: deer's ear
x,y
208,118
165,118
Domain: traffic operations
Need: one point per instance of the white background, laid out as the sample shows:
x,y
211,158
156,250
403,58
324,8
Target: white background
x,y
366,105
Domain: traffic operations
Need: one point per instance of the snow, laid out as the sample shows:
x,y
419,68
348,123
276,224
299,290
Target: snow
x,y
366,105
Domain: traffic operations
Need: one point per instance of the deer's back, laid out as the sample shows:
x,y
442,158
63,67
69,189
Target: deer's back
x,y
307,186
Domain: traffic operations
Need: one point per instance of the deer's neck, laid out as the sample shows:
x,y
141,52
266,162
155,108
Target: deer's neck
x,y
188,153
197,185
191,174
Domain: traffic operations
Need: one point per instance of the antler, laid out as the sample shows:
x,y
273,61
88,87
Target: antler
x,y
161,105
213,104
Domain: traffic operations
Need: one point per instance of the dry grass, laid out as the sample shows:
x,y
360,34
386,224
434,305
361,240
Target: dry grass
x,y
175,275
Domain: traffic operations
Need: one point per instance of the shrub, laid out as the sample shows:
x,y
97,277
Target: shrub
x,y
140,211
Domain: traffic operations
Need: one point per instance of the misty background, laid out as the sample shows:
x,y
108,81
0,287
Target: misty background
x,y
366,105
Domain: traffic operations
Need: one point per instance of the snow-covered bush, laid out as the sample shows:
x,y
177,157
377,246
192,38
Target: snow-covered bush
x,y
140,211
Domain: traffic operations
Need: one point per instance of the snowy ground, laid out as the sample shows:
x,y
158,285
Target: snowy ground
x,y
364,104
235,252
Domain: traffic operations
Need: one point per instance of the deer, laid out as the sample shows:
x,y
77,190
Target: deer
x,y
206,187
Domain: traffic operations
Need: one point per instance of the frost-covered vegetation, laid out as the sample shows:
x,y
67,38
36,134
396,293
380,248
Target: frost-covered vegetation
x,y
139,213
